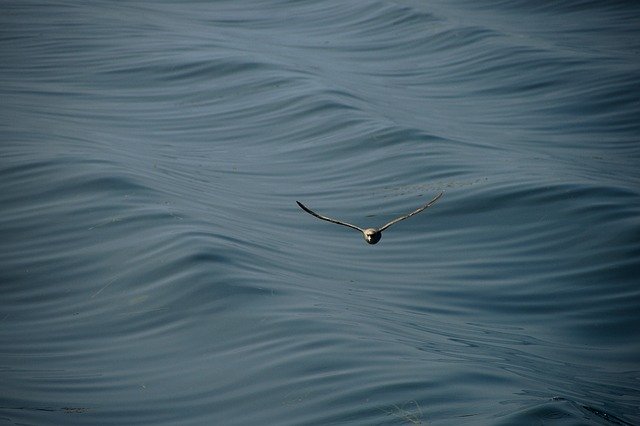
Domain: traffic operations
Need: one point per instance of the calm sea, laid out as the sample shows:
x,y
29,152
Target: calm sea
x,y
156,270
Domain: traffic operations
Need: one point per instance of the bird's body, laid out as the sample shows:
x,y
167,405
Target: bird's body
x,y
371,235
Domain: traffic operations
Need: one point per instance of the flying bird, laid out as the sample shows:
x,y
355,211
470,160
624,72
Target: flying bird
x,y
371,235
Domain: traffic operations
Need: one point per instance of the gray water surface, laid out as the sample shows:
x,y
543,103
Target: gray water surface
x,y
155,268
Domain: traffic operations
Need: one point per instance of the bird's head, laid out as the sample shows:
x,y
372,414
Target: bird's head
x,y
372,235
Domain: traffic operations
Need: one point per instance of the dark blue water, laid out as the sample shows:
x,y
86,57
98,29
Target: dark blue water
x,y
155,268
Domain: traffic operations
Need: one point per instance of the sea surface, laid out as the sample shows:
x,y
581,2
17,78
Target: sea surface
x,y
156,270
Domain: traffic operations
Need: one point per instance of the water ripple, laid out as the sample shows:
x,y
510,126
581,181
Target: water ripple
x,y
156,269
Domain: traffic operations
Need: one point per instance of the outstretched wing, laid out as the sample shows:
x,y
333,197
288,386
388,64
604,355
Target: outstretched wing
x,y
328,219
426,206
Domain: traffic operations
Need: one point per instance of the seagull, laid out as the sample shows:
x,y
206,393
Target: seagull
x,y
371,235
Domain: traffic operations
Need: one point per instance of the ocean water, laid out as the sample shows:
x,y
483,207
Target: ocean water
x,y
156,270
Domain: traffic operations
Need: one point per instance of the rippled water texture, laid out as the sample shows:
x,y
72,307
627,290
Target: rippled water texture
x,y
155,268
